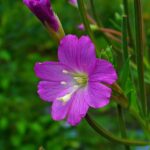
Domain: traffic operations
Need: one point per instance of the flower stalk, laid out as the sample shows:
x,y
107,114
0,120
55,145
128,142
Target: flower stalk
x,y
124,38
122,124
56,35
95,14
122,100
129,31
86,23
125,53
113,138
139,53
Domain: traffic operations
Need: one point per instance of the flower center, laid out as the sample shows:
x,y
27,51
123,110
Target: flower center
x,y
80,79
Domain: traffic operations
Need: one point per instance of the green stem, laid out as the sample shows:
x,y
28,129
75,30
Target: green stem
x,y
98,22
140,120
108,135
126,59
121,121
122,124
139,53
126,12
124,103
124,38
125,53
85,20
95,14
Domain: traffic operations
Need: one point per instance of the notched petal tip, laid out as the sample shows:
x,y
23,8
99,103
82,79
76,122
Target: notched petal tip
x,y
68,38
56,118
59,110
85,38
73,121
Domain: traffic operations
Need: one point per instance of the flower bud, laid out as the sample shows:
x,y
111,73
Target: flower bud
x,y
44,12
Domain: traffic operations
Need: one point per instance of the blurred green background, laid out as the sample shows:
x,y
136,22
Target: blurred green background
x,y
25,123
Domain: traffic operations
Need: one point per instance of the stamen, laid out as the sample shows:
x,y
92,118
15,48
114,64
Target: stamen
x,y
76,86
63,82
65,71
65,98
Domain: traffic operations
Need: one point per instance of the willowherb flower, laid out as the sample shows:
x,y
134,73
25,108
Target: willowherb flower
x,y
43,10
73,2
77,82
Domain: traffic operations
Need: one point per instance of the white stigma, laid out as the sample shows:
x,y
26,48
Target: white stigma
x,y
65,98
65,71
63,82
76,86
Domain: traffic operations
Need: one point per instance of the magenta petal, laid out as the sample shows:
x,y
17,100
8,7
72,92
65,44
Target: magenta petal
x,y
60,109
98,95
77,53
51,71
104,72
49,91
79,107
67,50
86,55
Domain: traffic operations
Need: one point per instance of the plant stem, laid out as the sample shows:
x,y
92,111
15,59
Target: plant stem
x,y
94,13
124,38
123,101
139,53
85,20
125,55
126,60
126,12
135,115
108,135
98,22
122,124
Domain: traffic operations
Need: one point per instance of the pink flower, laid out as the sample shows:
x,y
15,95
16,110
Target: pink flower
x,y
77,81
